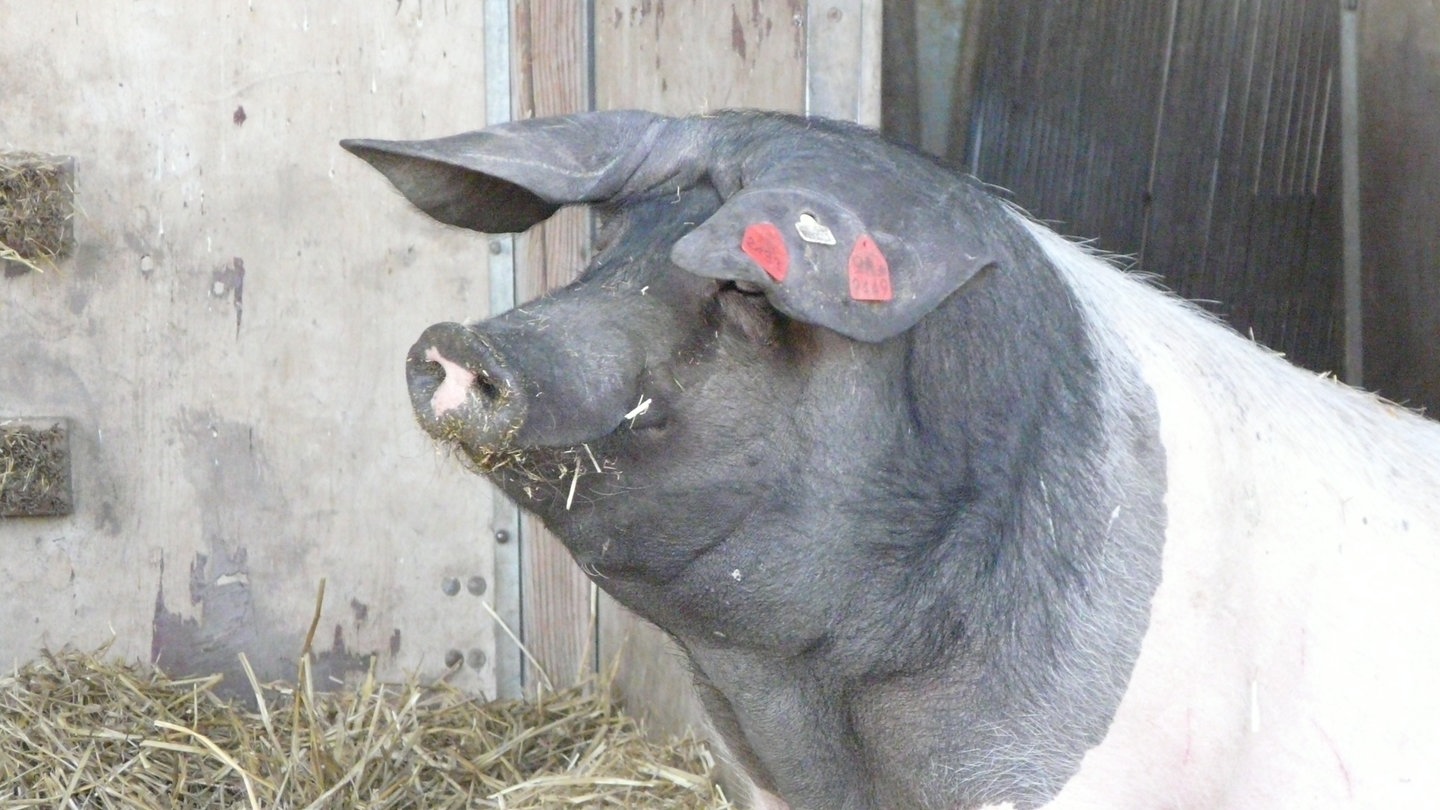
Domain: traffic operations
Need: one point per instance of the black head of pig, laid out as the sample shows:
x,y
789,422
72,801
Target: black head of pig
x,y
822,410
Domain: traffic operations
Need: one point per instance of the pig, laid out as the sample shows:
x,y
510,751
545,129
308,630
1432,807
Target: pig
x,y
943,509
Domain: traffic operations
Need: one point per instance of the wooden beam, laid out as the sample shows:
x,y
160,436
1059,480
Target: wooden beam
x,y
680,59
551,76
842,72
692,58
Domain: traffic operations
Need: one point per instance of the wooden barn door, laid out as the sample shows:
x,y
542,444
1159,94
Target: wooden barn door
x,y
1201,138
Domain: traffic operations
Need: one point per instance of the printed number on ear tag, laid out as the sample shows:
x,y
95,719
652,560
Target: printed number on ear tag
x,y
766,246
869,272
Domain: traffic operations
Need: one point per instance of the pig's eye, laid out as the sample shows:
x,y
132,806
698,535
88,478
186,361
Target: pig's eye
x,y
743,306
742,287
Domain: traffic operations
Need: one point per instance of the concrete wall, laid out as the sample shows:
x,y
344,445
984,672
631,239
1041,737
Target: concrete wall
x,y
228,337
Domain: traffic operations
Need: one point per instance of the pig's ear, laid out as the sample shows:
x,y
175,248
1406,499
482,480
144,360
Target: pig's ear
x,y
822,262
508,177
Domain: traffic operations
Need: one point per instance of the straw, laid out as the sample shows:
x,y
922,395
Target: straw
x,y
78,730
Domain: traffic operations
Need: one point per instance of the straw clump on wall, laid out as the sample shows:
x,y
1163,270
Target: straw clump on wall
x,y
36,208
34,468
79,731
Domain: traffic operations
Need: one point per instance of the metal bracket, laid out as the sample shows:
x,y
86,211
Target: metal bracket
x,y
505,528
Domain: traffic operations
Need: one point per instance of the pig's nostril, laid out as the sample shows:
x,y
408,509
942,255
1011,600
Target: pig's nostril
x,y
485,388
452,383
436,373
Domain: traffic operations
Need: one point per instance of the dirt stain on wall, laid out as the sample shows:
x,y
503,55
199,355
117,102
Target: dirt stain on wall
x,y
228,612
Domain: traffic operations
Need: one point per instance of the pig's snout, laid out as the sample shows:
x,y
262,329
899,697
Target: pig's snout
x,y
461,389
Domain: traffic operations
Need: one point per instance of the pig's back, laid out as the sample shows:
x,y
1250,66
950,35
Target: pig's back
x,y
1294,640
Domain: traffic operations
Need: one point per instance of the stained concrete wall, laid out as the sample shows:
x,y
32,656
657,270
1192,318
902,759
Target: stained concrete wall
x,y
228,337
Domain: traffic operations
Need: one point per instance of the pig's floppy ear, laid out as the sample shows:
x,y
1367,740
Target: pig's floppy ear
x,y
823,262
508,177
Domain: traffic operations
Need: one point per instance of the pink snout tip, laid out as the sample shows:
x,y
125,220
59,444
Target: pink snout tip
x,y
455,389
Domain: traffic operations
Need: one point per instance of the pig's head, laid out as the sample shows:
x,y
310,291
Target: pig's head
x,y
800,411
670,393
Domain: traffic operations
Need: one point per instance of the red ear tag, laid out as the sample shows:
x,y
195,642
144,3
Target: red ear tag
x,y
764,243
869,272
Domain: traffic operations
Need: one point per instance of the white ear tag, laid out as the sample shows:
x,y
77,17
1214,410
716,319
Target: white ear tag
x,y
812,231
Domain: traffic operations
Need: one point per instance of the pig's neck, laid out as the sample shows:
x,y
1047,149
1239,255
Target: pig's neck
x,y
1054,550
991,635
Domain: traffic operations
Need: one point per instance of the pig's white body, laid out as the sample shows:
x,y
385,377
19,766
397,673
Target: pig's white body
x,y
1293,652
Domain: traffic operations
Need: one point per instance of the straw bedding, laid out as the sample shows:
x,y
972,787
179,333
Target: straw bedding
x,y
80,731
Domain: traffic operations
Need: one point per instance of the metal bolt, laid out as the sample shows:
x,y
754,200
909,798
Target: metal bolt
x,y
477,658
451,586
453,659
496,247
475,585
502,535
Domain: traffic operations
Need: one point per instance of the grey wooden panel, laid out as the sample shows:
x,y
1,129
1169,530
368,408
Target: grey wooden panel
x,y
842,60
1246,177
1400,198
901,104
551,76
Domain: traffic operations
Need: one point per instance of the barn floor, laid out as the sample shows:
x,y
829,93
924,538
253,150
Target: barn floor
x,y
78,730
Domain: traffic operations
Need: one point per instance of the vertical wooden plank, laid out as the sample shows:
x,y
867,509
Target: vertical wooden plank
x,y
965,81
941,30
678,59
551,77
843,60
1350,189
1399,198
928,67
681,59
900,104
